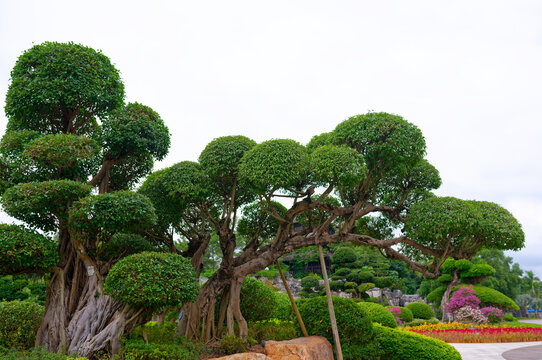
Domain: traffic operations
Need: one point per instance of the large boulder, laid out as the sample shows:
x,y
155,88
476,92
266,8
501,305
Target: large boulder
x,y
307,348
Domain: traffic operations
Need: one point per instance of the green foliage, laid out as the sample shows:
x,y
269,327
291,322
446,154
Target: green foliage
x,y
351,320
19,323
275,164
52,80
445,278
272,329
152,280
405,315
404,345
163,344
254,220
473,224
336,285
463,265
320,140
448,266
491,297
338,165
172,190
310,282
421,310
121,211
42,204
121,245
138,350
283,310
509,317
231,344
435,296
40,353
478,271
360,276
61,156
220,161
343,255
387,142
378,314
383,282
134,129
343,272
124,175
25,251
258,301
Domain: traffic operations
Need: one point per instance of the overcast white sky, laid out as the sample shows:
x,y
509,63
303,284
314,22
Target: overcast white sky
x,y
467,73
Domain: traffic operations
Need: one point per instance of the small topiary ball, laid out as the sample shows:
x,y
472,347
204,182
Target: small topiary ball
x,y
19,323
152,280
421,310
353,322
379,314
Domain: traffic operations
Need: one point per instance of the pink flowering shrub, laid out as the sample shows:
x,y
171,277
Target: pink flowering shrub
x,y
396,312
493,314
465,296
470,314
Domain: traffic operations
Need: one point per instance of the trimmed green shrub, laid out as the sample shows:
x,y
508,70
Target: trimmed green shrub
x,y
421,310
336,285
138,350
258,301
231,344
463,264
383,282
405,314
404,345
34,354
445,278
352,320
360,276
509,317
379,314
273,329
448,266
152,280
19,323
418,322
350,285
478,270
283,309
433,320
343,255
310,282
342,272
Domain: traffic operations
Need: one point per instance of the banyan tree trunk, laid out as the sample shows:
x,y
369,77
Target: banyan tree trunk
x,y
446,296
78,316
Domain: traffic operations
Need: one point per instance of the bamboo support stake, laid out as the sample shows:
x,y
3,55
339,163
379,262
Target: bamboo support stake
x,y
330,305
294,306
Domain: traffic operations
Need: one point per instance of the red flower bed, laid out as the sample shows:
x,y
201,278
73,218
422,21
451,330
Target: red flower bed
x,y
487,335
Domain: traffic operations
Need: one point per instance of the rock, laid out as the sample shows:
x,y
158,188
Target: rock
x,y
307,348
244,356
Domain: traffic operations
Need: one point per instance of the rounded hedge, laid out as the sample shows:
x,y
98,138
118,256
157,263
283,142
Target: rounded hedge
x,y
258,301
403,345
122,245
354,324
344,255
152,280
19,323
378,314
310,282
25,251
421,310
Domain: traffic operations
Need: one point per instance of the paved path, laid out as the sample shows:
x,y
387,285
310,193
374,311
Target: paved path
x,y
500,351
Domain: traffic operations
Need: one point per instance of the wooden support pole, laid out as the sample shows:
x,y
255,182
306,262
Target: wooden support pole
x,y
332,318
292,301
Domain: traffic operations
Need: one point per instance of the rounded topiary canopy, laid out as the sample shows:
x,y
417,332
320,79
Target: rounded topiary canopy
x,y
386,141
469,225
340,165
63,156
121,245
121,211
344,255
53,80
25,251
41,204
421,310
258,301
135,129
254,220
275,164
378,314
352,320
220,160
152,280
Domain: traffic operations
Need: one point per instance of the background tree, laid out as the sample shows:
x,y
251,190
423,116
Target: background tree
x,y
69,131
